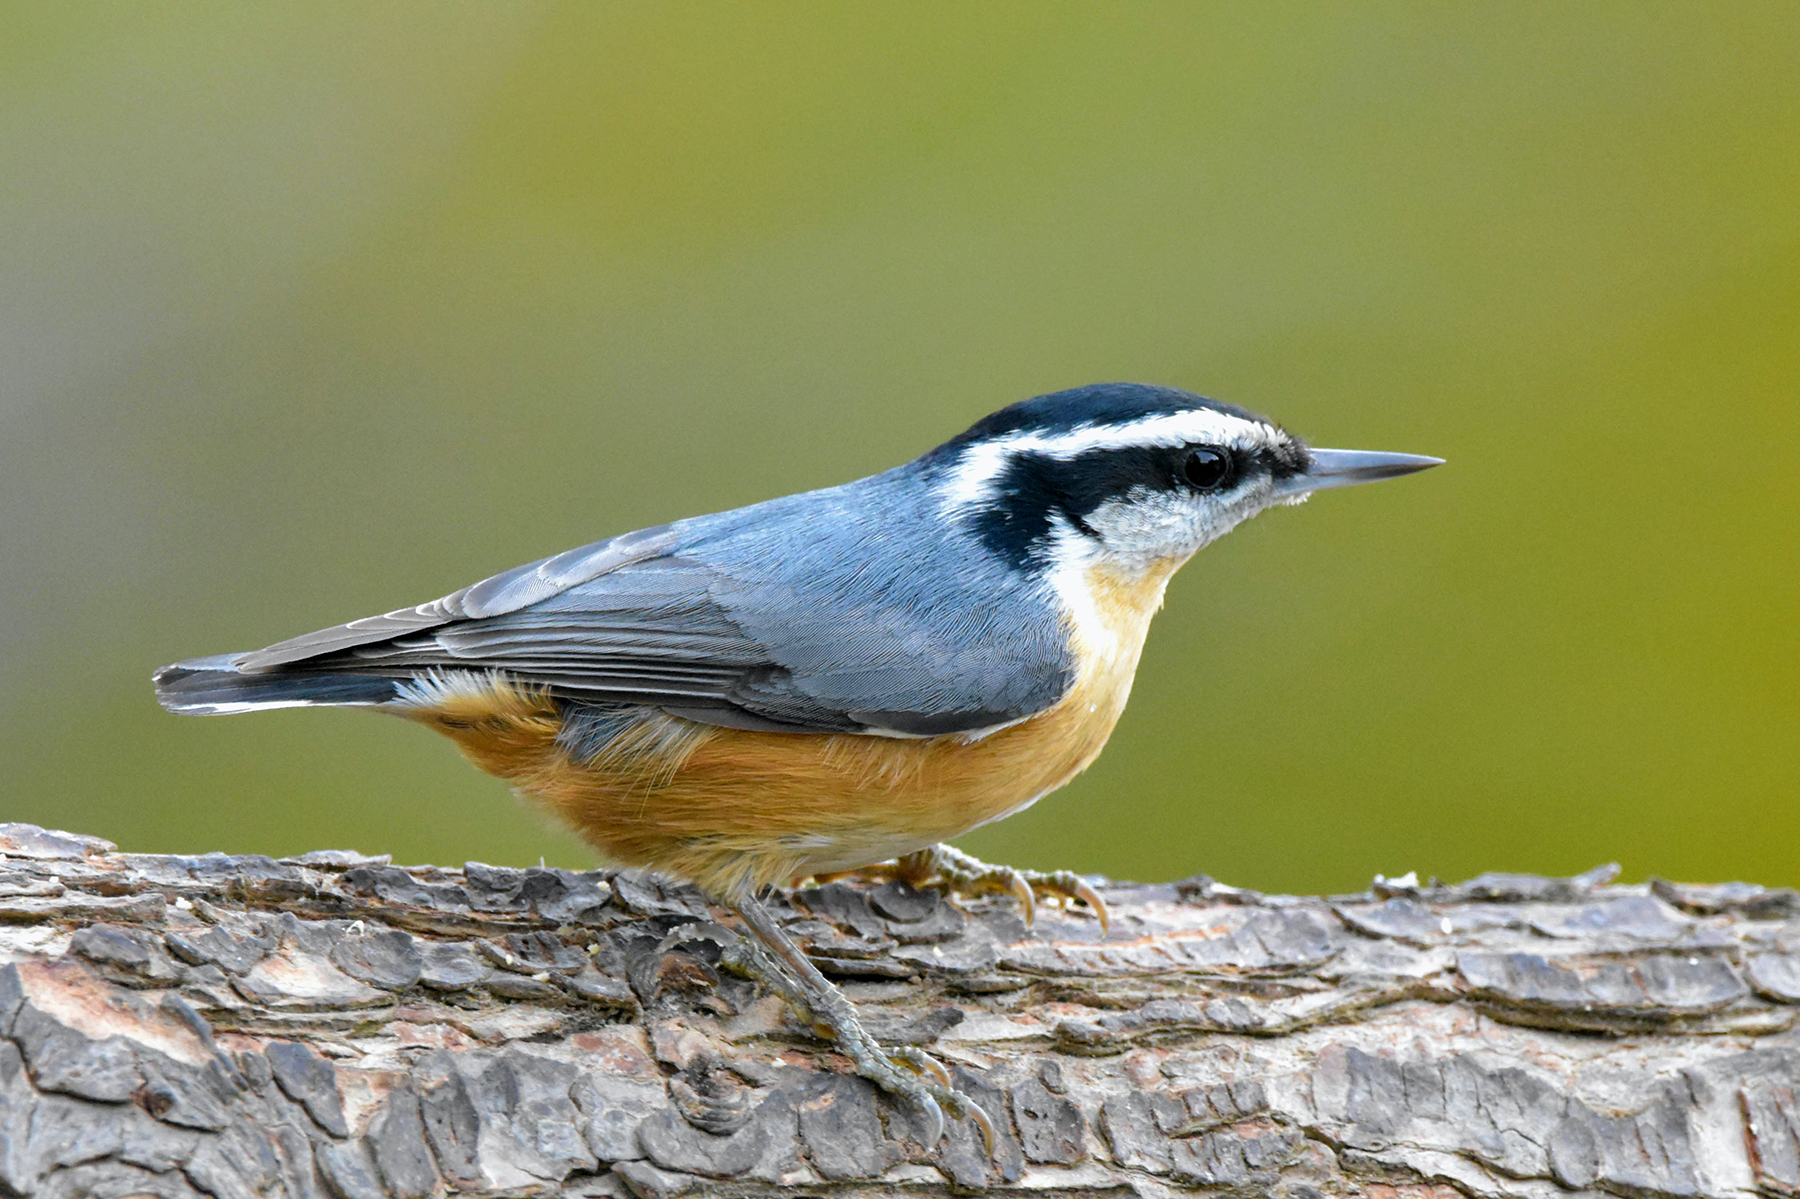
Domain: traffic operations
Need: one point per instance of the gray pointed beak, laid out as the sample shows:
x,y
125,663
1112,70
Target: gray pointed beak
x,y
1346,468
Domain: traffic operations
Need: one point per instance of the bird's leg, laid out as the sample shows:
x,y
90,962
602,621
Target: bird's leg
x,y
908,1073
966,875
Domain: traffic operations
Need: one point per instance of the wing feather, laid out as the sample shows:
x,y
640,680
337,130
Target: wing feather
x,y
496,595
809,613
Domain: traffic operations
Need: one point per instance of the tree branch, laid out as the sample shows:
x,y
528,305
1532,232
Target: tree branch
x,y
336,1025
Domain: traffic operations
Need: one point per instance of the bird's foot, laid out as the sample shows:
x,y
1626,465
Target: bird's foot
x,y
962,874
908,1073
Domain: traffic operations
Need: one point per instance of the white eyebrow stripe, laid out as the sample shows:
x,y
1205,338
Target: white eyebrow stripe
x,y
970,481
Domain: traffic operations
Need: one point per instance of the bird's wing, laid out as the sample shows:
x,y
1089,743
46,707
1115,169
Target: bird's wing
x,y
635,621
508,591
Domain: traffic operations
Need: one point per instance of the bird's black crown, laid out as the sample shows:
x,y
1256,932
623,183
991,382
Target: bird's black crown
x,y
1097,404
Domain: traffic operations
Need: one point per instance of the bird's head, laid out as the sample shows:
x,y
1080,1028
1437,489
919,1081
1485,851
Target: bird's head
x,y
1128,476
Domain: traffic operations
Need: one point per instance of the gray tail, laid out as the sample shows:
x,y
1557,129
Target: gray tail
x,y
215,687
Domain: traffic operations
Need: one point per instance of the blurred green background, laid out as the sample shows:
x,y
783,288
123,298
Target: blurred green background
x,y
311,311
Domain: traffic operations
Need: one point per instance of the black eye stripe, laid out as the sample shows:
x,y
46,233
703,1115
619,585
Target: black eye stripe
x,y
1032,491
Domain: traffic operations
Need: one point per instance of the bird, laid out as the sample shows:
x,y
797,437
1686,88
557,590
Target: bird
x,y
828,680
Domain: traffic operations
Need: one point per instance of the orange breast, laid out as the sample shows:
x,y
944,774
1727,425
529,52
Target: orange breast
x,y
733,810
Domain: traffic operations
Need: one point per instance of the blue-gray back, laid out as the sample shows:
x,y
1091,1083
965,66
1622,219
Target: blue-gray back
x,y
855,608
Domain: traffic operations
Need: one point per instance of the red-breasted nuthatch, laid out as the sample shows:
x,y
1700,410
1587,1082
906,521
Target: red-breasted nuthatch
x,y
827,680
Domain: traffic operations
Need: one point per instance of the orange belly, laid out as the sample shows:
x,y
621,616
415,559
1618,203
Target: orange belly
x,y
733,810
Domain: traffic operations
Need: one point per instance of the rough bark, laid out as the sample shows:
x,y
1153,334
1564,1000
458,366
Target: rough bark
x,y
334,1025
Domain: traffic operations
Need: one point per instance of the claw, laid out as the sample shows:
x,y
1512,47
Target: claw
x,y
923,1063
1091,897
959,872
934,1119
974,1111
1022,889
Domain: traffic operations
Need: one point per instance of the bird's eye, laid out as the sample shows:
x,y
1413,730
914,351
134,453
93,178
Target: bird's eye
x,y
1207,469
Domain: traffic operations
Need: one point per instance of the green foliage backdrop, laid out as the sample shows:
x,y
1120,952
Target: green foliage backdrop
x,y
309,311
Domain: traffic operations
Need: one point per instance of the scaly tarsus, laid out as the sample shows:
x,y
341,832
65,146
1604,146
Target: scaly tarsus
x,y
903,1073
